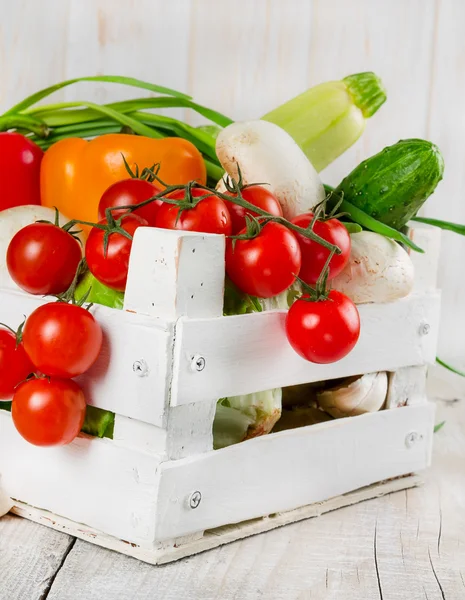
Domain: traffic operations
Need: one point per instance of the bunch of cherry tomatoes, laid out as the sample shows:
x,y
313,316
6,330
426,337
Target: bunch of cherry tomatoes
x,y
264,257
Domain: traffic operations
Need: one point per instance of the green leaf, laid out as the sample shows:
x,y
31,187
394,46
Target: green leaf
x,y
446,225
34,98
449,367
97,293
98,422
364,219
439,426
5,406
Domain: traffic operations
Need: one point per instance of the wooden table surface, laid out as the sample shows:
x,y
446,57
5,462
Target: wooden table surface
x,y
408,545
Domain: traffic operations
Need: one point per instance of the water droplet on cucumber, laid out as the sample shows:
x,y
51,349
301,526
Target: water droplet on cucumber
x,y
383,190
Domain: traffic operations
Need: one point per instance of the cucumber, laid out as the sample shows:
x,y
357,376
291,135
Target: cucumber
x,y
392,185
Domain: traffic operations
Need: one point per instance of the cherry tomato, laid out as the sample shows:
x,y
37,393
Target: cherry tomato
x,y
265,265
314,255
129,192
323,331
48,412
258,196
62,340
42,259
19,170
209,216
15,364
111,268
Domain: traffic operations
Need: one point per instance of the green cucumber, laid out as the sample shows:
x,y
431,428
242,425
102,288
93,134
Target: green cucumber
x,y
392,185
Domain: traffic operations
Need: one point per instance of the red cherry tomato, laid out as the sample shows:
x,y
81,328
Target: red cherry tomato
x,y
43,258
19,170
48,412
324,331
258,196
209,216
62,340
314,255
265,265
111,267
129,192
15,364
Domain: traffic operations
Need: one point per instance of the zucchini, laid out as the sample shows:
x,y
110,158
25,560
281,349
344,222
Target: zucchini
x,y
392,185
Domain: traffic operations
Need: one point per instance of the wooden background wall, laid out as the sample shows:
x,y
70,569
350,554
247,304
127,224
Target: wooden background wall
x,y
244,57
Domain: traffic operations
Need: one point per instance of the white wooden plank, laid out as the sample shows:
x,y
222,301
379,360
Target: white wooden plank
x,y
311,464
257,47
91,481
426,265
30,37
137,435
250,353
175,273
129,39
445,128
30,556
175,550
131,342
407,386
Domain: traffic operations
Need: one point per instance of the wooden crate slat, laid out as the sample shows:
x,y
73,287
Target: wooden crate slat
x,y
91,481
112,383
250,353
292,468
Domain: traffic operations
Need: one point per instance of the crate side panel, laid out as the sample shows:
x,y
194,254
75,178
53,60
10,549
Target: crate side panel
x,y
112,383
250,353
283,471
90,481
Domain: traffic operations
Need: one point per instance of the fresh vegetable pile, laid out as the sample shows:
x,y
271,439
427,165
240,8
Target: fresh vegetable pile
x,y
101,172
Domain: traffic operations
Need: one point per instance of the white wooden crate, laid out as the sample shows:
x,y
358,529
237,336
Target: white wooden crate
x,y
157,490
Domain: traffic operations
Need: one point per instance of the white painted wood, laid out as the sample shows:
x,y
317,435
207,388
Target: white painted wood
x,y
137,435
445,128
91,481
311,464
175,273
426,265
112,383
30,556
407,387
250,353
215,537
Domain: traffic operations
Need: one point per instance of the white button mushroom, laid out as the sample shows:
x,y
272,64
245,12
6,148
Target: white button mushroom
x,y
379,270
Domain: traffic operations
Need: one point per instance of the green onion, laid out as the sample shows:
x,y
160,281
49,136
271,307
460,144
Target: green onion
x,y
362,218
446,225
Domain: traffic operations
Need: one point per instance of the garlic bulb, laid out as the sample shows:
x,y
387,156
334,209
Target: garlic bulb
x,y
355,395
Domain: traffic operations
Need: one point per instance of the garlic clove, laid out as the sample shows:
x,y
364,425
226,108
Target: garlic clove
x,y
355,396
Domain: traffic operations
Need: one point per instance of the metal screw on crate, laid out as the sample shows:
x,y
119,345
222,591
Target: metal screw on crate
x,y
425,328
198,363
194,499
140,368
412,438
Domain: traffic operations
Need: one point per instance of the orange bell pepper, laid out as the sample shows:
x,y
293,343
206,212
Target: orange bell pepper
x,y
75,172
